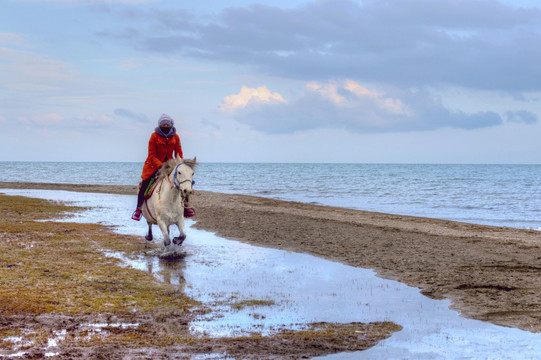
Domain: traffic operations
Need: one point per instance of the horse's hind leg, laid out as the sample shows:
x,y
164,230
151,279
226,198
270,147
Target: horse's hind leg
x,y
149,236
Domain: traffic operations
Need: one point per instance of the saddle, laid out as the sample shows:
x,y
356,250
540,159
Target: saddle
x,y
150,188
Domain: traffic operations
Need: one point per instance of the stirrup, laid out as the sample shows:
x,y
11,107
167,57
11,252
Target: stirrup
x,y
136,215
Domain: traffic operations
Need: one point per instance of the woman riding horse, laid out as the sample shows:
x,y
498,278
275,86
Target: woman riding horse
x,y
163,142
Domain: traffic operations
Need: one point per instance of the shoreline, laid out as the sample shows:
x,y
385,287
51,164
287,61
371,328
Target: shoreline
x,y
489,273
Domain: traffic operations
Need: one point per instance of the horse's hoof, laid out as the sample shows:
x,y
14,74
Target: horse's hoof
x,y
149,237
179,240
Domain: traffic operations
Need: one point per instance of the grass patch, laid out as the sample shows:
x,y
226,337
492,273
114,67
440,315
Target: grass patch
x,y
51,268
58,267
317,339
251,303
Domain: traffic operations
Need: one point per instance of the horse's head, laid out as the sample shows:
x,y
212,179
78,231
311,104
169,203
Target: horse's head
x,y
183,176
180,174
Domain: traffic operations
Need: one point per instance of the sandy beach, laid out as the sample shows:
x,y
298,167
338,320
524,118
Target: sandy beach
x,y
489,273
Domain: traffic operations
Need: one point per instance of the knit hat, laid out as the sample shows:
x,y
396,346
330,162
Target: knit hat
x,y
165,120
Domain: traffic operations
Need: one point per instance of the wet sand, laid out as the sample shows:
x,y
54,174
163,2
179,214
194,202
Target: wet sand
x,y
489,273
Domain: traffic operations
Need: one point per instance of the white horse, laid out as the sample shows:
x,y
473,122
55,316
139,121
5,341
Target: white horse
x,y
172,192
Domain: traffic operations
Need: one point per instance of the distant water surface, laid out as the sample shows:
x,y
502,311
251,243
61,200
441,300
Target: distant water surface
x,y
503,195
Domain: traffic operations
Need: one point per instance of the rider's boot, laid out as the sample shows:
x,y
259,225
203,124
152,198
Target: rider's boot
x,y
136,215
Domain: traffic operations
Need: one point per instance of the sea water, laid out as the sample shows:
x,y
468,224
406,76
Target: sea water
x,y
501,195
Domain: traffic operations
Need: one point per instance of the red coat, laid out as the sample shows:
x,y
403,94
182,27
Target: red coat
x,y
160,149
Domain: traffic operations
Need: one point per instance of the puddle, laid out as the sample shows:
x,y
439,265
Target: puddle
x,y
275,289
18,343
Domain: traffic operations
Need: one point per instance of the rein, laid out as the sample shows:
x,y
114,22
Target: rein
x,y
174,184
148,210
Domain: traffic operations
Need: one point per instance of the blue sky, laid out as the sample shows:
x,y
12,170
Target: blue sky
x,y
399,81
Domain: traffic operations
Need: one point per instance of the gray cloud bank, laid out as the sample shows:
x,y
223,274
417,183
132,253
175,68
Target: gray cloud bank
x,y
479,44
405,45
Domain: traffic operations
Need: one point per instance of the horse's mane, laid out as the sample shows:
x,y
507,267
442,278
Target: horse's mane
x,y
168,166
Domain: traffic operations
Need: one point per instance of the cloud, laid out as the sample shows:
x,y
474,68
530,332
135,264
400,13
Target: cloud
x,y
52,123
28,77
482,44
131,115
211,124
25,71
348,105
46,120
96,2
250,97
521,116
9,38
352,93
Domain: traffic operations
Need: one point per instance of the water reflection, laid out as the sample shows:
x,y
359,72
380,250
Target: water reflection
x,y
169,272
172,272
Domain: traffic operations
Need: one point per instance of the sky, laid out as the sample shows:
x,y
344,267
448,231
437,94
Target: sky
x,y
350,81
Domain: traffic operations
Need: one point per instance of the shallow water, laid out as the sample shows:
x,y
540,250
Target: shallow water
x,y
301,289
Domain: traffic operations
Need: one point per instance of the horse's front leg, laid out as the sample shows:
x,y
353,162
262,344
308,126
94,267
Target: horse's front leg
x,y
182,236
165,232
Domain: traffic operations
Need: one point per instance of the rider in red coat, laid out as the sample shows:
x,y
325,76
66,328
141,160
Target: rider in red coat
x,y
164,144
